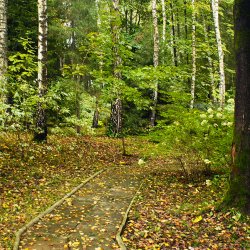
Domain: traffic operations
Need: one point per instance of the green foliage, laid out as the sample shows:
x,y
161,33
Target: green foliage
x,y
21,89
206,134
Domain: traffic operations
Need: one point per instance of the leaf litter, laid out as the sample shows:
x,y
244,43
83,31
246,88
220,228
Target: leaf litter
x,y
176,214
34,176
170,213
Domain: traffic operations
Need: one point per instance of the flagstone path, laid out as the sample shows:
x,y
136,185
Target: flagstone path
x,y
91,217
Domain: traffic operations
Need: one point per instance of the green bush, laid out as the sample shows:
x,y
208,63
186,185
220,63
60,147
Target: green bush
x,y
205,134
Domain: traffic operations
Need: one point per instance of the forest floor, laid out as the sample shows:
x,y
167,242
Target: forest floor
x,y
176,209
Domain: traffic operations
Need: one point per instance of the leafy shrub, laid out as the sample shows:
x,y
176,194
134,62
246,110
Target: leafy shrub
x,y
204,134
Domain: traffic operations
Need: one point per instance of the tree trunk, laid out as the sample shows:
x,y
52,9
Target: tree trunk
x,y
155,59
193,78
210,63
186,28
97,12
77,103
222,88
164,24
3,49
95,120
173,38
239,192
41,119
116,107
116,117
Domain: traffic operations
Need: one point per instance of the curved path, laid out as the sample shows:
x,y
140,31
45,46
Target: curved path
x,y
91,217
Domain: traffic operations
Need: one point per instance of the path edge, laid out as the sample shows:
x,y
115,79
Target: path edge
x,y
124,221
50,209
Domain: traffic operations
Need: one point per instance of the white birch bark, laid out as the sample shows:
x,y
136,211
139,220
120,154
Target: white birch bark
x,y
97,12
155,59
164,21
172,35
116,106
3,48
210,63
222,87
42,46
164,24
193,77
41,123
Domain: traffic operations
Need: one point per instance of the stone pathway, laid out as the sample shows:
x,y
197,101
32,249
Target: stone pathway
x,y
91,217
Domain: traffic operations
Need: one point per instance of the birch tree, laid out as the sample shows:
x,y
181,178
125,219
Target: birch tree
x,y
116,106
3,48
173,36
41,121
222,88
164,25
210,62
193,77
155,59
95,120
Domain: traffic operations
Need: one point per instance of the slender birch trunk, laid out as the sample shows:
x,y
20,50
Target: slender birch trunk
x,y
156,60
97,12
173,38
210,62
164,21
186,28
116,106
193,78
222,87
164,24
95,120
41,119
3,49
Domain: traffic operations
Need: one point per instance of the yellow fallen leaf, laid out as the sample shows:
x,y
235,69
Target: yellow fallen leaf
x,y
165,244
5,205
75,244
197,219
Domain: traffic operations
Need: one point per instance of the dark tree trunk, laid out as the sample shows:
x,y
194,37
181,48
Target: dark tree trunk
x,y
126,20
116,117
95,120
131,21
239,193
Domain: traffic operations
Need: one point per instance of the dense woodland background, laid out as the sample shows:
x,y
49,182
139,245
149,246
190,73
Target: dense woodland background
x,y
167,63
